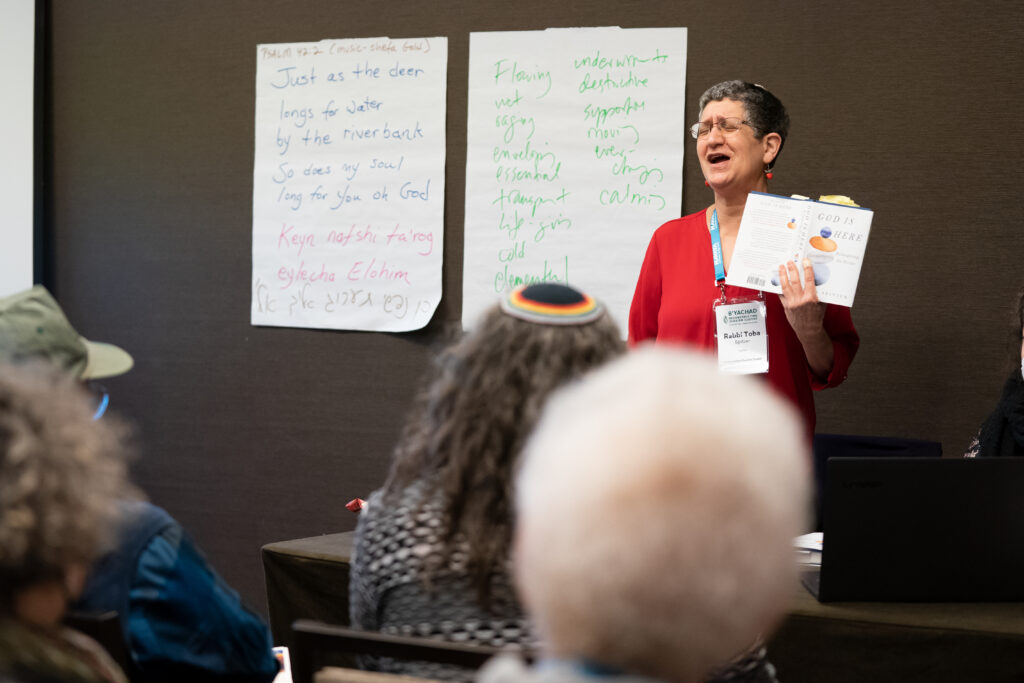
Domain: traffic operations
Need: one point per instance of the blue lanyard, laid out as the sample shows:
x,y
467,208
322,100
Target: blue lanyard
x,y
716,248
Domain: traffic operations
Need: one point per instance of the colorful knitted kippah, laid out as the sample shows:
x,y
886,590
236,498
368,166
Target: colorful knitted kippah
x,y
552,304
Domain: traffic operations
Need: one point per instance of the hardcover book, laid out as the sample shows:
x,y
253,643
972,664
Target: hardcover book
x,y
777,229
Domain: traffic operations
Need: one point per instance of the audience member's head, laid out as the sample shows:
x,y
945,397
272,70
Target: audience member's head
x,y
33,327
486,393
61,474
656,508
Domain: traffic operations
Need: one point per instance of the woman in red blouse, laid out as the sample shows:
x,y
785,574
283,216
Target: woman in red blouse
x,y
741,130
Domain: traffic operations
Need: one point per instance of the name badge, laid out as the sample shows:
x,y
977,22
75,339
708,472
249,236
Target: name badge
x,y
742,337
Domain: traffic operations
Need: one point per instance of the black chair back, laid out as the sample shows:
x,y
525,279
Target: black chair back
x,y
316,645
105,629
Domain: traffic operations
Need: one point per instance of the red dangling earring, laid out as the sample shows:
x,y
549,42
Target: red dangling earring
x,y
768,173
707,184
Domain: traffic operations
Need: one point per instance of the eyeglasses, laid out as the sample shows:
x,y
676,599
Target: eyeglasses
x,y
727,126
100,398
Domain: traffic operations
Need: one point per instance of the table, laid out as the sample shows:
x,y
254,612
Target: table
x,y
307,579
830,643
873,641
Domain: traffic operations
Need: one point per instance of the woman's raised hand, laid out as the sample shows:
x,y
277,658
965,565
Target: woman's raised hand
x,y
806,315
803,310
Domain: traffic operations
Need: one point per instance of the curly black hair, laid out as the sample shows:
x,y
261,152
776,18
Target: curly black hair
x,y
472,419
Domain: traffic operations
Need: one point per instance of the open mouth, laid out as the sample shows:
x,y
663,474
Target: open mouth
x,y
717,158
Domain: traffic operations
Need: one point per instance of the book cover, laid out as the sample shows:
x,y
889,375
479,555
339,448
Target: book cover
x,y
777,229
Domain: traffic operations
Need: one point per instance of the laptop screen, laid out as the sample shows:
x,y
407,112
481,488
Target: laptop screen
x,y
923,530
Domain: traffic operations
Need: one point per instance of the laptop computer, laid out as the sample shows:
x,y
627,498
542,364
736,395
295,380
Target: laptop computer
x,y
922,530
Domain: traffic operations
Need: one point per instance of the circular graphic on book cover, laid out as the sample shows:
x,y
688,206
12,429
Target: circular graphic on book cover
x,y
823,243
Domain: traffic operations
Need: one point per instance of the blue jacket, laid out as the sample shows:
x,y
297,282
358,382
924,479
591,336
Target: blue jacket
x,y
181,621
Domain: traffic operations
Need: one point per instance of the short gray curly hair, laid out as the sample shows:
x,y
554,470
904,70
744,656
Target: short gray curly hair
x,y
764,112
61,474
671,564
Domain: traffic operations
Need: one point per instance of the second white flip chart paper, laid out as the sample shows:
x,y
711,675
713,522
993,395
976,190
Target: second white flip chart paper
x,y
574,158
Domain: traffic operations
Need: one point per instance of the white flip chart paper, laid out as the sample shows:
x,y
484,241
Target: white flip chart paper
x,y
348,183
574,158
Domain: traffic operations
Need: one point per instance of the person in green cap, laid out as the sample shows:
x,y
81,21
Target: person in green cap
x,y
180,620
33,326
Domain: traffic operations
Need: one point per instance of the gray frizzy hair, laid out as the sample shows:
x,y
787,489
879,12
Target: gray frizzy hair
x,y
765,113
61,474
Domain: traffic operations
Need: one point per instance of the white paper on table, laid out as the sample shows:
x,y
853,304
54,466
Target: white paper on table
x,y
812,541
775,230
574,157
348,183
808,548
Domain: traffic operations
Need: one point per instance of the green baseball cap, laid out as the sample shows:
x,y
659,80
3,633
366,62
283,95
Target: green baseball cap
x,y
32,325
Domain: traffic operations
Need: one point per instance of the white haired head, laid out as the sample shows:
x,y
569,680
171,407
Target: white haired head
x,y
656,508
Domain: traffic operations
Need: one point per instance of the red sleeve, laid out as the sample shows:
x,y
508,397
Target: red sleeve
x,y
643,312
845,342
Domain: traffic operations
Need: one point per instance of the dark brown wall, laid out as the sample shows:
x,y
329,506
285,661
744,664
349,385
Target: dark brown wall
x,y
253,435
